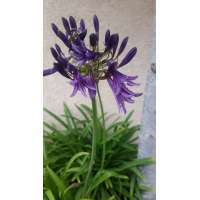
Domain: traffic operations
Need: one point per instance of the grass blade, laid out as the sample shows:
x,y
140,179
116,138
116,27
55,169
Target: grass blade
x,y
70,115
56,179
76,156
49,194
56,117
102,176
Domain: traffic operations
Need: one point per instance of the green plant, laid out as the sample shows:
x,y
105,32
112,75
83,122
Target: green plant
x,y
73,167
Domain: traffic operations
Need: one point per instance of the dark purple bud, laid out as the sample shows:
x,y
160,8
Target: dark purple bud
x,y
47,72
122,46
54,53
83,34
96,24
72,22
61,35
71,68
137,94
54,28
114,42
61,70
93,39
107,38
82,24
58,49
64,38
128,57
66,25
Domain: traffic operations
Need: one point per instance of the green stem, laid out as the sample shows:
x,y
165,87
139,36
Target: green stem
x,y
94,142
103,132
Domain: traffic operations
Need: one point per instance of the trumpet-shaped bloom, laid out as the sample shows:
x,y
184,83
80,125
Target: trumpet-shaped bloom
x,y
86,65
119,84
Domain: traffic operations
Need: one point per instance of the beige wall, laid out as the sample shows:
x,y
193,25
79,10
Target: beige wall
x,y
133,18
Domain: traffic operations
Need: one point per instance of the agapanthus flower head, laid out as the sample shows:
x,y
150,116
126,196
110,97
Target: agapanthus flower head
x,y
86,64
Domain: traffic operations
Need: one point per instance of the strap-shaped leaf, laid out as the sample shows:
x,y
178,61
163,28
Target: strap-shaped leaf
x,y
70,115
57,180
50,195
102,176
56,117
76,156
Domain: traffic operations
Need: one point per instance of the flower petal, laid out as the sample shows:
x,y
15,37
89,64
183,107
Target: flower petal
x,y
83,34
107,39
122,46
128,57
114,42
93,39
54,53
82,24
96,23
54,28
50,71
72,22
66,25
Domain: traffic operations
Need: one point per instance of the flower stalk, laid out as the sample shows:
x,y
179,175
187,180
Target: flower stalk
x,y
104,130
94,142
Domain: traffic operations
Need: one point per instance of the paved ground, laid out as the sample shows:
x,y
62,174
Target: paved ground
x,y
147,139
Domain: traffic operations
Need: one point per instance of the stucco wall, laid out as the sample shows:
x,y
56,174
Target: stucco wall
x,y
133,18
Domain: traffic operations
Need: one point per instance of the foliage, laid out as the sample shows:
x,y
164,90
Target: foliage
x,y
67,151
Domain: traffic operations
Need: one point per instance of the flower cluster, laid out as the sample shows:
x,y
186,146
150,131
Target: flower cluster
x,y
86,65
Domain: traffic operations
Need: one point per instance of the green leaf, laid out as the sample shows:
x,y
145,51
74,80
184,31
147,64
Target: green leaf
x,y
144,188
143,161
50,195
115,135
76,156
136,162
87,109
104,194
56,117
102,176
138,193
70,115
132,187
137,172
129,116
112,198
83,113
57,180
52,128
72,186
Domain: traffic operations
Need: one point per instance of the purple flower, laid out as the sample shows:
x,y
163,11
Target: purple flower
x,y
107,39
128,57
72,31
66,25
93,39
122,46
114,39
96,25
83,84
86,65
118,83
81,53
50,71
72,22
61,35
61,65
